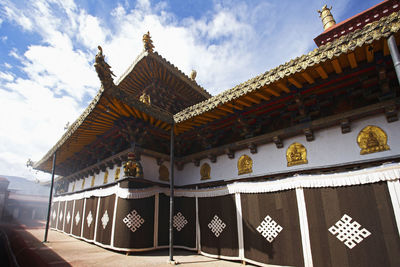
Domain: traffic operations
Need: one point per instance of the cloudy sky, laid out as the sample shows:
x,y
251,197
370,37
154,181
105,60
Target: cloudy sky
x,y
47,50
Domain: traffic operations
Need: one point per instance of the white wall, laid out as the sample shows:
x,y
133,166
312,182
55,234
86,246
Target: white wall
x,y
150,171
330,147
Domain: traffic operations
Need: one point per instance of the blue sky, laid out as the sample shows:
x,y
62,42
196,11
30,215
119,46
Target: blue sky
x,y
47,48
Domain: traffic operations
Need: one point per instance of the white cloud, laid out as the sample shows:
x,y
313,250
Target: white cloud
x,y
229,44
6,76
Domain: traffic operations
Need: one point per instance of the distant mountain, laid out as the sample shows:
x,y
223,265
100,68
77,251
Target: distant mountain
x,y
26,187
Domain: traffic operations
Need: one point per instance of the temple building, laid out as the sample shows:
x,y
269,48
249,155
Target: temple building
x,y
298,166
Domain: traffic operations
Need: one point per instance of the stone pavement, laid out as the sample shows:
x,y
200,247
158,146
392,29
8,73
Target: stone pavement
x,y
63,250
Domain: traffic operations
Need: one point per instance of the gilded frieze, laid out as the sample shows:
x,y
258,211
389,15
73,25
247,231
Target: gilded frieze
x,y
296,154
205,171
105,180
372,139
245,165
163,173
117,172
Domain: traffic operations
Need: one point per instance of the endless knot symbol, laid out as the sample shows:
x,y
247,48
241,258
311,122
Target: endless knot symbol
x,y
89,219
105,219
269,229
77,218
216,225
68,216
61,215
349,232
179,221
133,220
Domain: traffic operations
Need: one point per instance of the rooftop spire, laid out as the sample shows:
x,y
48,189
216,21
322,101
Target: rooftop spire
x,y
327,18
147,42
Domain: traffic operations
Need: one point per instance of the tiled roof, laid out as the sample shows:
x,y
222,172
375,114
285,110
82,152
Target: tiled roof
x,y
345,44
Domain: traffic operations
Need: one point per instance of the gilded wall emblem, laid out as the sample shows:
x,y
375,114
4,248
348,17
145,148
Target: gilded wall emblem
x,y
296,154
92,183
105,180
117,172
372,139
163,173
245,165
205,171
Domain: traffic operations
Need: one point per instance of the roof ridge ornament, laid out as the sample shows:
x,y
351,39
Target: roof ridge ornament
x,y
147,42
103,69
326,16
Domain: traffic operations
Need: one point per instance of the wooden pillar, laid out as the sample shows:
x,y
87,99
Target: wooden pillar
x,y
50,196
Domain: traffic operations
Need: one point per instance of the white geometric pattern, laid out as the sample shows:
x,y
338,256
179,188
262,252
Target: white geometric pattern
x,y
349,232
133,220
61,215
89,219
216,225
77,218
179,221
68,216
54,215
269,229
105,219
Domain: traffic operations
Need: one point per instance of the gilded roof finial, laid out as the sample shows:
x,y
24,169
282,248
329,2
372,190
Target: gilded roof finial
x,y
327,18
193,75
147,42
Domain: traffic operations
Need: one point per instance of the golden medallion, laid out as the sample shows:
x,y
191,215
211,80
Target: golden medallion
x,y
117,171
105,177
296,154
163,173
372,139
245,165
205,171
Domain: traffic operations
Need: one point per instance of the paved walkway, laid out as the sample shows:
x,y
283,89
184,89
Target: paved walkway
x,y
63,250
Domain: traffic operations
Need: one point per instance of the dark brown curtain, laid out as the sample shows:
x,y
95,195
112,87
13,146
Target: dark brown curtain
x,y
218,225
271,231
89,219
366,213
134,225
104,221
54,214
69,217
184,221
77,218
61,215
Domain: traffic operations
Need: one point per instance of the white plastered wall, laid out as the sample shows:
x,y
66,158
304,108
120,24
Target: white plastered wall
x,y
330,147
150,171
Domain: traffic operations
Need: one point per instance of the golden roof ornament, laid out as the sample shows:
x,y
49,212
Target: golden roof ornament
x,y
193,75
147,42
327,18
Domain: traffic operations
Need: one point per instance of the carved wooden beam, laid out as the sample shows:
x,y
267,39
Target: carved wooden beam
x,y
253,148
345,126
309,134
277,141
